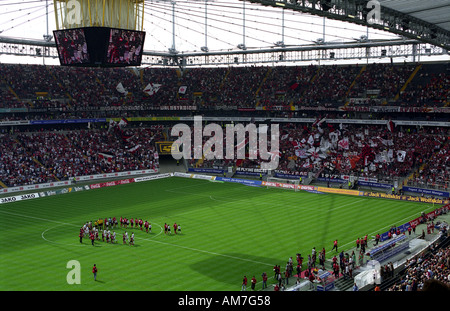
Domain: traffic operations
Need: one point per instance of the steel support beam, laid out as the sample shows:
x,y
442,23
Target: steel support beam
x,y
356,51
368,13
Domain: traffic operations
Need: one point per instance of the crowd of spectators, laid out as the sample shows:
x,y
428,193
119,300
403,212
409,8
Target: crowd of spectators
x,y
434,173
371,151
387,79
17,167
424,270
39,157
70,88
429,88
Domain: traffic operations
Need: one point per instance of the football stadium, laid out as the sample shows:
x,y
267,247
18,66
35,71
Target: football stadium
x,y
225,146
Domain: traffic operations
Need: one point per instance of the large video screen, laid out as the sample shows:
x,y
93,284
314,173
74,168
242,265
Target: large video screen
x,y
99,47
125,47
72,46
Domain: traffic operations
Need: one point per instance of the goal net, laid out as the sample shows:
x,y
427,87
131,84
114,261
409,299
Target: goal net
x,y
285,183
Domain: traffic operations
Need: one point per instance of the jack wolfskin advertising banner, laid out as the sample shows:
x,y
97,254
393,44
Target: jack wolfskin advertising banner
x,y
405,198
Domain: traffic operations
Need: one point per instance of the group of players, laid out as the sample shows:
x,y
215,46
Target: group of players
x,y
176,228
104,226
136,223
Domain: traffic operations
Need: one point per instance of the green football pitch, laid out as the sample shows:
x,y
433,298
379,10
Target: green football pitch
x,y
228,230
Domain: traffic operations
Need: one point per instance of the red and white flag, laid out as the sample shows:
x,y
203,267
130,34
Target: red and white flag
x,y
106,157
123,122
134,149
344,144
390,126
182,89
152,88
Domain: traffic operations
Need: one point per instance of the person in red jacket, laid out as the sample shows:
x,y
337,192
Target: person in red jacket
x,y
335,245
92,237
377,238
94,271
253,282
244,283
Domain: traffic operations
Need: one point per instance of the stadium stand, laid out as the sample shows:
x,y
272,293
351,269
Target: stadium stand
x,y
234,87
41,157
354,92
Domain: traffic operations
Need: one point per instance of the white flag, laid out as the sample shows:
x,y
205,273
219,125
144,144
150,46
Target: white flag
x,y
401,155
121,89
134,148
311,140
306,164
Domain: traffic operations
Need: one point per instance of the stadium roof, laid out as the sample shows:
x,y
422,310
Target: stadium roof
x,y
436,12
427,21
241,26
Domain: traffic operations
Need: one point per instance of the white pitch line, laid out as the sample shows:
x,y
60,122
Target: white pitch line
x,y
207,252
38,218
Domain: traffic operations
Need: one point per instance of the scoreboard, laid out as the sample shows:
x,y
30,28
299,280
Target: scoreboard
x,y
99,47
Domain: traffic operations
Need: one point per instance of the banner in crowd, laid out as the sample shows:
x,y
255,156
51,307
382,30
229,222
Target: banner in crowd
x,y
67,121
178,107
246,182
290,176
218,119
328,179
153,177
374,184
206,170
167,147
426,191
194,176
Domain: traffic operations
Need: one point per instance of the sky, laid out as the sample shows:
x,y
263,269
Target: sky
x,y
218,24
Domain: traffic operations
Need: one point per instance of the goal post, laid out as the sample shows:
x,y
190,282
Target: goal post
x,y
285,183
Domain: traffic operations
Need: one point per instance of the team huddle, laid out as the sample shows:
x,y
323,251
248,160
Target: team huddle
x,y
106,227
